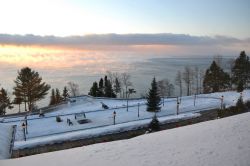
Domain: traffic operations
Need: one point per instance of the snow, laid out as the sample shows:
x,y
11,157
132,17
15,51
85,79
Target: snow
x,y
5,140
98,131
46,130
218,142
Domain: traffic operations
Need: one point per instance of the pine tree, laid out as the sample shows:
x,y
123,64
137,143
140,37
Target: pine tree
x,y
94,90
58,96
240,106
65,94
108,90
241,70
240,87
154,124
29,87
100,89
153,98
18,100
4,101
215,79
117,86
52,98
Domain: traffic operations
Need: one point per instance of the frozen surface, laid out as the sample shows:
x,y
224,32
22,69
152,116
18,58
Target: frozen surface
x,y
222,142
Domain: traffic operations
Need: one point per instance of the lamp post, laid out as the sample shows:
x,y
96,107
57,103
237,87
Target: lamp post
x,y
194,99
127,104
177,111
24,134
222,98
26,123
114,115
163,101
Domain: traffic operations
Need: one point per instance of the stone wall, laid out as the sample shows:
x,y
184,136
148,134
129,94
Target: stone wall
x,y
205,116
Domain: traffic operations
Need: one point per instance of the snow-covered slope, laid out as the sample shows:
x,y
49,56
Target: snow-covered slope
x,y
5,140
224,142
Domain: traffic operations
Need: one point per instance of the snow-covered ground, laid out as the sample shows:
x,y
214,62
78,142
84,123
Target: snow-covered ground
x,y
224,142
5,140
47,130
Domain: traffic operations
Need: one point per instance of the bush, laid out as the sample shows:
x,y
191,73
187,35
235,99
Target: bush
x,y
240,106
154,124
58,119
248,104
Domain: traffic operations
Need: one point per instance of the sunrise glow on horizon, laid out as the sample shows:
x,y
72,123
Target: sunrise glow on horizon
x,y
61,32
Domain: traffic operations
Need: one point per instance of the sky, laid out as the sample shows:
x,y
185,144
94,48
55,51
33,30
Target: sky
x,y
68,30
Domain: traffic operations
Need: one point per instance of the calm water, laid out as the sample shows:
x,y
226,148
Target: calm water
x,y
141,70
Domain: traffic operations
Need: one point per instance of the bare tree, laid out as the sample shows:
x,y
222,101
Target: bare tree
x,y
201,76
125,77
73,89
196,81
178,81
188,79
165,88
111,77
230,65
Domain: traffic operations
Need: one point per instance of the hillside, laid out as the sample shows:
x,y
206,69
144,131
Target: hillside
x,y
218,142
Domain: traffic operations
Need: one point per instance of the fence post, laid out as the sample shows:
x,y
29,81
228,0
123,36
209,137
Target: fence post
x,y
138,110
194,99
114,115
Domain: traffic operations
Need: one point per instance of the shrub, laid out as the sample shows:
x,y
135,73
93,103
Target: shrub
x,y
58,119
240,106
248,104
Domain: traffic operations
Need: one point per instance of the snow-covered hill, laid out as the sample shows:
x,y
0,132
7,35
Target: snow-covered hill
x,y
224,142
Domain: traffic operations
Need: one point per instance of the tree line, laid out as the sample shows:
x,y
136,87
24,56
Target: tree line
x,y
216,78
113,85
29,87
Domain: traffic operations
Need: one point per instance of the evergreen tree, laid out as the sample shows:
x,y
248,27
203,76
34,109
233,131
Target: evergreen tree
x,y
117,86
100,89
215,79
240,87
65,94
240,106
29,87
58,96
18,100
154,124
153,98
52,98
241,70
94,90
4,101
108,90
105,81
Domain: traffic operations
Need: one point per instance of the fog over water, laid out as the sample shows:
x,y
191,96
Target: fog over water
x,y
142,70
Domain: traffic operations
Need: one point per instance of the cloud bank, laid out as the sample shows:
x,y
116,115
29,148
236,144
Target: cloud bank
x,y
119,39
